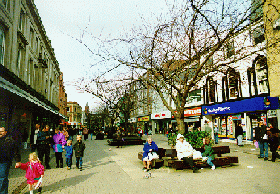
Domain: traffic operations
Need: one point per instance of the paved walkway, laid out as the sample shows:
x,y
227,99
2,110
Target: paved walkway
x,y
108,169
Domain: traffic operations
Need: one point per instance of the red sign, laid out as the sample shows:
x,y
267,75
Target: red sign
x,y
192,112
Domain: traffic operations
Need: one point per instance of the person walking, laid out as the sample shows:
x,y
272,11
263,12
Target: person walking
x,y
239,134
216,134
59,142
79,148
43,145
69,154
273,135
9,149
34,171
34,145
262,138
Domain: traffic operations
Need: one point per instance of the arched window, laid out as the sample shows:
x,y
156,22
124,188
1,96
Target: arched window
x,y
231,85
258,77
2,45
210,91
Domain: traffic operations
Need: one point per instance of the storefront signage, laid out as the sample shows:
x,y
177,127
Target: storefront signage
x,y
192,112
236,117
162,115
247,105
146,118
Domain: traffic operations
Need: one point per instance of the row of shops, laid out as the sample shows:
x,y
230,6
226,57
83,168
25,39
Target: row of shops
x,y
225,116
21,108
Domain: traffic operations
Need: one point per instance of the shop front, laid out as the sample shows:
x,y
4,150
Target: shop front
x,y
160,121
144,123
248,112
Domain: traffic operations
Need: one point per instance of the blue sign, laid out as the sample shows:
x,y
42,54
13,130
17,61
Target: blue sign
x,y
247,105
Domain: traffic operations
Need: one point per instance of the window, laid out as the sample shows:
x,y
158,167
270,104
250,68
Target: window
x,y
231,85
210,90
252,81
230,49
261,75
21,21
18,60
2,45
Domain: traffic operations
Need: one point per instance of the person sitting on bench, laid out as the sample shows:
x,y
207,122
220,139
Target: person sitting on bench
x,y
150,149
185,152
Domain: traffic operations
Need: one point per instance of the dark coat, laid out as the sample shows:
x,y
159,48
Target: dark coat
x,y
9,148
147,148
238,131
259,133
79,148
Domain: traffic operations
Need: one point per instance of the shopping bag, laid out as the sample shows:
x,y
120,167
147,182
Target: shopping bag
x,y
197,155
256,144
39,183
153,155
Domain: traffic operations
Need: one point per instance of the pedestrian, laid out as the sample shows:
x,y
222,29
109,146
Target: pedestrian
x,y
216,134
273,135
85,133
34,171
208,153
69,154
207,128
34,145
43,145
79,148
239,134
59,142
262,138
65,133
9,149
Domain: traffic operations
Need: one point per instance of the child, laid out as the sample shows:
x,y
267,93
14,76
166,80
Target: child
x,y
79,148
59,140
208,153
69,154
34,171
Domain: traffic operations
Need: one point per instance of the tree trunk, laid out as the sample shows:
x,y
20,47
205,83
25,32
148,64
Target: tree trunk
x,y
181,125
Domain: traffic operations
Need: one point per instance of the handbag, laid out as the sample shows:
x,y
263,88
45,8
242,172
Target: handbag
x,y
153,155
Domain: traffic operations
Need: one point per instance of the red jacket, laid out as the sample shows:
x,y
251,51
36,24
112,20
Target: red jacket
x,y
34,170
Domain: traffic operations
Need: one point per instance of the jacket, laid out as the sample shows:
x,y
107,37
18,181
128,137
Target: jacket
x,y
259,133
34,170
184,149
59,140
147,148
9,149
42,137
79,148
69,151
208,152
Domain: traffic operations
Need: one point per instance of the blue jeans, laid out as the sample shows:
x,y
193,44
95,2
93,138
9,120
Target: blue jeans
x,y
69,162
209,161
79,160
263,147
4,181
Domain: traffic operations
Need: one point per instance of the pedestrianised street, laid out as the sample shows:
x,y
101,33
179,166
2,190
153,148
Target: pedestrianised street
x,y
118,170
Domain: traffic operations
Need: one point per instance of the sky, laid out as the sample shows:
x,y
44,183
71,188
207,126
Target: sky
x,y
67,20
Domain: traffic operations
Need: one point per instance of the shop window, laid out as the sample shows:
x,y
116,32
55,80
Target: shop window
x,y
2,45
194,96
210,91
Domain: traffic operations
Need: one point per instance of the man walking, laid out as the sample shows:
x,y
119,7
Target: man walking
x,y
9,149
262,138
43,147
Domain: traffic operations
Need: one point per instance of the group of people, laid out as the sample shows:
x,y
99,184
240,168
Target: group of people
x,y
10,148
266,136
184,150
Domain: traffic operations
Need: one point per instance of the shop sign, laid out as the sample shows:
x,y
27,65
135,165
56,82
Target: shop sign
x,y
192,112
271,113
163,115
236,117
247,105
146,118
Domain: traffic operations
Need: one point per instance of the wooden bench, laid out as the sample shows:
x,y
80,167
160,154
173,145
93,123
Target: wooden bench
x,y
156,163
218,161
128,140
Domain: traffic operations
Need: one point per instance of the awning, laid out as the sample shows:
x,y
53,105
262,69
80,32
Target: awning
x,y
16,90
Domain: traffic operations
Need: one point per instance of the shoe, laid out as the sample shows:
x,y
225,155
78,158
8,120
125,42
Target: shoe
x,y
40,190
213,167
57,166
144,168
265,158
81,169
260,157
61,166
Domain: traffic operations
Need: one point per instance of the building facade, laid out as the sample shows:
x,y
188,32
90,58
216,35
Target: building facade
x,y
29,71
74,114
